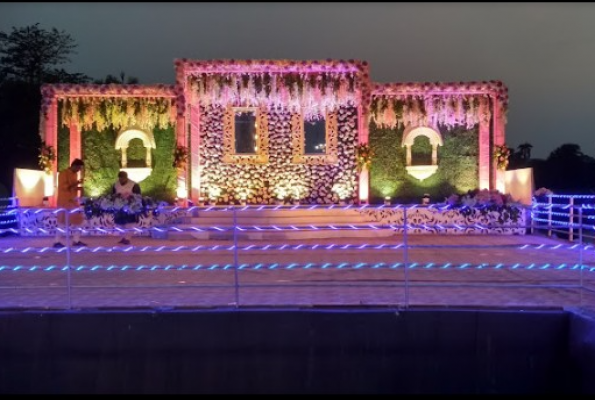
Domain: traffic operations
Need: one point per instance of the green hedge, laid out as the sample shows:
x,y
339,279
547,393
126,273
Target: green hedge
x,y
102,163
457,165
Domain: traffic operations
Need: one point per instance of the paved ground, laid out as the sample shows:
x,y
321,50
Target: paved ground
x,y
454,270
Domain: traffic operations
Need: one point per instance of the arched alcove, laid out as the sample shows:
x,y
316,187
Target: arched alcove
x,y
122,143
421,172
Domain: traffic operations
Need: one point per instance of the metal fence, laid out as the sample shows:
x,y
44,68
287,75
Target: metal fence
x,y
272,256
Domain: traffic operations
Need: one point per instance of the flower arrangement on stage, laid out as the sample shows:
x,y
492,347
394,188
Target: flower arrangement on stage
x,y
501,154
363,155
542,192
541,195
485,201
47,156
123,208
180,157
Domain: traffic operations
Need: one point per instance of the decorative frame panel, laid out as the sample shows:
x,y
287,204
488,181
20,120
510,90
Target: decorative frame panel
x,y
229,137
298,136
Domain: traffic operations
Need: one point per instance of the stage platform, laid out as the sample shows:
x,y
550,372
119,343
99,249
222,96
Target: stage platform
x,y
436,270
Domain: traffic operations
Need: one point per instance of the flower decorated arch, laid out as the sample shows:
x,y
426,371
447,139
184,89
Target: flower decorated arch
x,y
450,104
308,88
127,135
421,172
85,106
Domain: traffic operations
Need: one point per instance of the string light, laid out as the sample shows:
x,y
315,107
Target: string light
x,y
279,247
294,266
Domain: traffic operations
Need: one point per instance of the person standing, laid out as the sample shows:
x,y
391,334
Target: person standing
x,y
125,188
68,198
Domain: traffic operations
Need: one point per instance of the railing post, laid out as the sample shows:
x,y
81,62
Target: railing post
x,y
549,215
580,252
235,257
68,268
571,220
406,255
532,215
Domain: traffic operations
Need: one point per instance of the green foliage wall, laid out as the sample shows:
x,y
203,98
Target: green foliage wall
x,y
457,165
162,183
102,163
102,160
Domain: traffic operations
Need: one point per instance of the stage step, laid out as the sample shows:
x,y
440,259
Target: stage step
x,y
283,219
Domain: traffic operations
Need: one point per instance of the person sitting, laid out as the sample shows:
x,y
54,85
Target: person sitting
x,y
125,188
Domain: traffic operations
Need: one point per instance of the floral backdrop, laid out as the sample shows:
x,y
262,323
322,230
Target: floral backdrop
x,y
279,178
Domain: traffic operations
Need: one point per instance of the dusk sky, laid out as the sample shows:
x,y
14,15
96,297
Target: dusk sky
x,y
543,52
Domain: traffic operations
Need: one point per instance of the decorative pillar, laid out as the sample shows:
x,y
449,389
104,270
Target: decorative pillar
x,y
148,160
484,145
51,139
182,188
363,138
75,142
434,154
123,149
195,168
499,140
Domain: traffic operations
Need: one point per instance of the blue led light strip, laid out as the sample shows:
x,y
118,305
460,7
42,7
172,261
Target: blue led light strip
x,y
193,209
294,266
273,228
280,247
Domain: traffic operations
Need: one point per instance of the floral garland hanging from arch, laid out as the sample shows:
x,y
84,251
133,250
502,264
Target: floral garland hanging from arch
x,y
120,106
311,88
430,104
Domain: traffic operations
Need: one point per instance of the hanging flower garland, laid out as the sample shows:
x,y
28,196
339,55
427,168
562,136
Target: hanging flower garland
x,y
309,87
501,154
120,106
363,156
100,113
310,94
47,157
449,104
429,110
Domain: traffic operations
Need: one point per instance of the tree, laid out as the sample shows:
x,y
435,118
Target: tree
x,y
29,57
568,169
131,80
32,55
525,150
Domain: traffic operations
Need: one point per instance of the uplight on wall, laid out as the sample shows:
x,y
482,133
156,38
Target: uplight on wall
x,y
364,185
48,181
181,191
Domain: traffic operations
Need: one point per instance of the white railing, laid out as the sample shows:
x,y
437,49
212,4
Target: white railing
x,y
392,266
570,215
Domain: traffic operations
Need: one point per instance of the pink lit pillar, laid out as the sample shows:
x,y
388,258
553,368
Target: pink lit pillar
x,y
499,140
194,152
51,139
363,138
484,150
75,142
181,140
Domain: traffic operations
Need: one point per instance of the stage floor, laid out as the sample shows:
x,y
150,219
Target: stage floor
x,y
530,271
